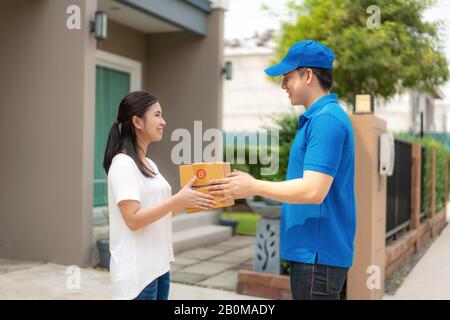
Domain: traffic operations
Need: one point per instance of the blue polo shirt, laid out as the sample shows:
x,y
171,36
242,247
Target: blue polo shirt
x,y
323,143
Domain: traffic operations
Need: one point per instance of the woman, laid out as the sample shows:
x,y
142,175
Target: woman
x,y
141,206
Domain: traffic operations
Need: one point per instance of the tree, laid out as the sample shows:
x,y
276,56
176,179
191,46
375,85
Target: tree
x,y
404,52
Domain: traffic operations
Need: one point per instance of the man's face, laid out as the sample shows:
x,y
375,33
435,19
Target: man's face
x,y
295,84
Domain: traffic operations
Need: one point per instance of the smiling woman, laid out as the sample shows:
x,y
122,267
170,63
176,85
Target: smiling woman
x,y
141,205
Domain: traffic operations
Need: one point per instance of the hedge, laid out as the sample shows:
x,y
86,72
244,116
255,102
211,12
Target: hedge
x,y
442,161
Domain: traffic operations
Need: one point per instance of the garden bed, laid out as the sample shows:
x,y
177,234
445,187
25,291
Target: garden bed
x,y
264,285
248,221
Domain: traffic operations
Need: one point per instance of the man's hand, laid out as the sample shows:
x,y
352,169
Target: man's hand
x,y
236,185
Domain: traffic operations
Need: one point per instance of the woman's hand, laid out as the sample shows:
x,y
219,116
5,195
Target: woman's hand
x,y
189,198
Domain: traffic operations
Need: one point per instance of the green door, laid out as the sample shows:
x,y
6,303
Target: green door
x,y
111,87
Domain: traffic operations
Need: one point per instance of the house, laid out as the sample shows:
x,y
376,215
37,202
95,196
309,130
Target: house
x,y
409,111
60,93
250,97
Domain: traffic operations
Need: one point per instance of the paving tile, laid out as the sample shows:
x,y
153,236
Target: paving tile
x,y
179,291
228,258
248,265
248,252
186,277
200,254
225,280
220,248
185,261
208,268
175,267
238,241
50,281
7,265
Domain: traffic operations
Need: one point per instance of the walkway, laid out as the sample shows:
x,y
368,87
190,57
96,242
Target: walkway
x,y
430,278
208,273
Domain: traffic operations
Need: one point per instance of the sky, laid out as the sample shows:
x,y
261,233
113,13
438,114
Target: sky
x,y
241,12
244,17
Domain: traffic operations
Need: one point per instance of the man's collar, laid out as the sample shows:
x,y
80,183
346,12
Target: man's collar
x,y
319,104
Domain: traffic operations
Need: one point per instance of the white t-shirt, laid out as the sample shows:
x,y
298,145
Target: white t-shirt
x,y
137,257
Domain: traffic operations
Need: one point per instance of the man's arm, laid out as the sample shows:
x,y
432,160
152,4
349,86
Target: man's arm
x,y
321,161
311,189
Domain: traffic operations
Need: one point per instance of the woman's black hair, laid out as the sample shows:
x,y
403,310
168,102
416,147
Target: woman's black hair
x,y
124,139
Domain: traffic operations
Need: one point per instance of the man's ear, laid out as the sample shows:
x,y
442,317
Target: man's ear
x,y
309,76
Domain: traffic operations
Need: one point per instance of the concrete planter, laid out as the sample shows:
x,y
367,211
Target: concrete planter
x,y
267,254
268,209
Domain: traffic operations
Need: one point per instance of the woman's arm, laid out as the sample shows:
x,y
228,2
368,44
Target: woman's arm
x,y
136,217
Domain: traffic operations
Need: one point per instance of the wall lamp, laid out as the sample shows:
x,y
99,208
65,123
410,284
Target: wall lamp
x,y
228,70
363,103
100,25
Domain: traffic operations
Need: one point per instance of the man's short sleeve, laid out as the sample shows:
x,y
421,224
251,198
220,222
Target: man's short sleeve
x,y
325,141
123,180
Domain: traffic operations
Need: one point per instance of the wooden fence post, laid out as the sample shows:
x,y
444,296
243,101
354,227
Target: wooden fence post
x,y
433,192
416,179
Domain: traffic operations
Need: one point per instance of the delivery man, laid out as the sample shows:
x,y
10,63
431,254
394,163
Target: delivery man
x,y
318,218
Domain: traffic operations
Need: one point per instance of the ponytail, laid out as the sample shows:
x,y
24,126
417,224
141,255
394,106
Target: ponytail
x,y
123,139
113,146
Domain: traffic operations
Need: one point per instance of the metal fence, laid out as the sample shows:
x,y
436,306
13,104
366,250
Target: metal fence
x,y
422,184
398,211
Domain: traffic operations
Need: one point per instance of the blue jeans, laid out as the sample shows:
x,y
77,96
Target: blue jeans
x,y
316,282
158,289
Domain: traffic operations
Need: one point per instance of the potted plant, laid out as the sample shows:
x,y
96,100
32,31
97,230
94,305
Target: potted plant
x,y
233,223
105,255
103,245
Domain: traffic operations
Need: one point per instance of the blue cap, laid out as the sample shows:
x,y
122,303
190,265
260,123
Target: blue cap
x,y
306,53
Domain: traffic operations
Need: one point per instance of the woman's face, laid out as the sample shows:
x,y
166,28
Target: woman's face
x,y
154,123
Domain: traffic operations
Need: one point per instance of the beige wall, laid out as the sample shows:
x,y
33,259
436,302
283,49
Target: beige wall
x,y
184,72
127,42
46,125
47,110
370,189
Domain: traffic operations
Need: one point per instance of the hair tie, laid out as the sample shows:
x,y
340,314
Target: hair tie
x,y
117,121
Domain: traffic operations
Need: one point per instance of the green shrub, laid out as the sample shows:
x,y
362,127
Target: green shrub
x,y
286,123
442,160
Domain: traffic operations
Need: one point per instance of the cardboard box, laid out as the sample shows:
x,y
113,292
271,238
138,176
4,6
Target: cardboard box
x,y
205,172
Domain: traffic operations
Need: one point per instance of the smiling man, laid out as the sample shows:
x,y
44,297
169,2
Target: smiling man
x,y
318,218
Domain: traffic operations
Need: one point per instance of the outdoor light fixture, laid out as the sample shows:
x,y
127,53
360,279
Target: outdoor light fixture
x,y
363,103
100,25
228,70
